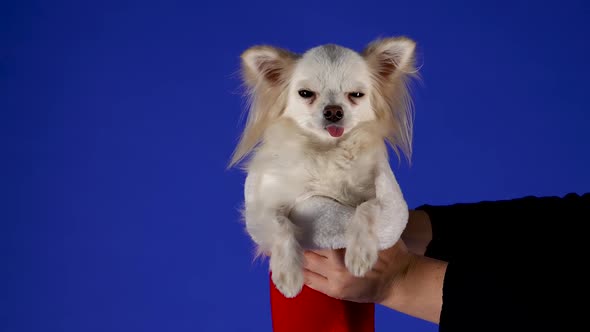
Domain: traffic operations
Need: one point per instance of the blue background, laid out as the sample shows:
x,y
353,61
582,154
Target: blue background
x,y
119,117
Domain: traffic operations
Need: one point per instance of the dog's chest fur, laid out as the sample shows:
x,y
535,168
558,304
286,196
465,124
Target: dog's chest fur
x,y
344,171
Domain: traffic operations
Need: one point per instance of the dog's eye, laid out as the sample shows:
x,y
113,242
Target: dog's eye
x,y
306,94
356,94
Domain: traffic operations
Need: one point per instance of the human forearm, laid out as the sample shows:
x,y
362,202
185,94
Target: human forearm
x,y
418,291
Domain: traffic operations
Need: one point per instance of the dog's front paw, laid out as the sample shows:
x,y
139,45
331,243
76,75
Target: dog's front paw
x,y
288,281
359,259
287,274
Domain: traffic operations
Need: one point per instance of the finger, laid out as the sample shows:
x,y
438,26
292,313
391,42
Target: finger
x,y
315,263
334,256
315,281
325,253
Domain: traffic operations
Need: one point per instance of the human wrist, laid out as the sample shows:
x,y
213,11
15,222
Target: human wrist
x,y
418,232
417,289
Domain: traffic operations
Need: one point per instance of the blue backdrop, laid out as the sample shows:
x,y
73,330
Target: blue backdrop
x,y
118,119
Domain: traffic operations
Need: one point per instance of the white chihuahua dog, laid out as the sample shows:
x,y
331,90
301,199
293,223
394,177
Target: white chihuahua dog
x,y
318,125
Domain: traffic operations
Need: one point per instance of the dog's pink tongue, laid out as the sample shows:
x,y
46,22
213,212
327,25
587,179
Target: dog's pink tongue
x,y
335,131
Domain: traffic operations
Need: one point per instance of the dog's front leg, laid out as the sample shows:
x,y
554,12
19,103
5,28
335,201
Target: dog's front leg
x,y
286,259
275,235
389,207
362,242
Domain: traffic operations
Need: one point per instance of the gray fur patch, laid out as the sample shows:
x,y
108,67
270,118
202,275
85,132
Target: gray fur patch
x,y
334,53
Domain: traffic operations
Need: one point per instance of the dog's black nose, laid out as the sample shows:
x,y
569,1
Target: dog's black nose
x,y
333,113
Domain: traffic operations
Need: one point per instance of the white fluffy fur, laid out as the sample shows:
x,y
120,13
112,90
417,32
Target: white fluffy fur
x,y
293,157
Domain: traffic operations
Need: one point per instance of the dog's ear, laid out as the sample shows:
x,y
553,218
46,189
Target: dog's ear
x,y
391,61
390,56
266,72
266,64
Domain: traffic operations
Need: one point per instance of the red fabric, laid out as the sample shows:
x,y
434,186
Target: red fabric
x,y
312,311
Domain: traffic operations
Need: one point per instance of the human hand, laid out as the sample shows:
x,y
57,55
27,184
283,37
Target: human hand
x,y
401,280
326,272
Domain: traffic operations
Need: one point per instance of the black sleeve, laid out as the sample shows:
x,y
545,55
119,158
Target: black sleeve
x,y
511,264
